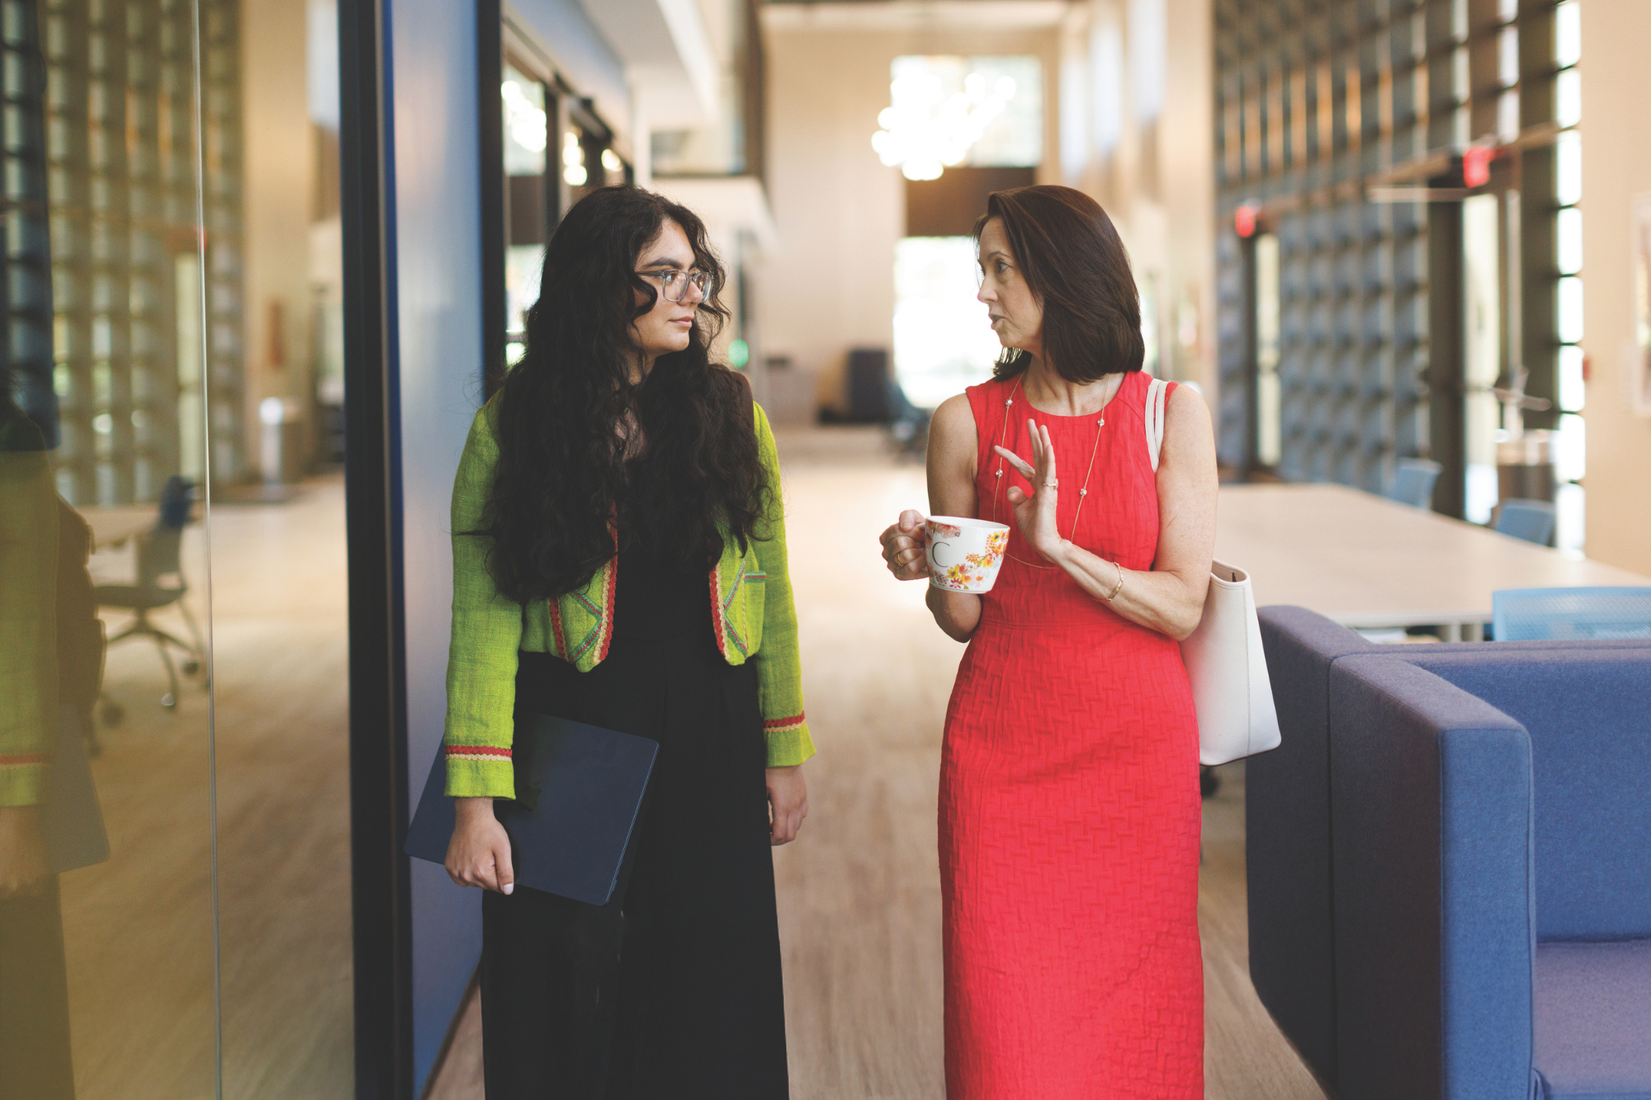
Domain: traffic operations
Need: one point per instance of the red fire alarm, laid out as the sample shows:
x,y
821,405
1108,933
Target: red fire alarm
x,y
1244,220
1476,165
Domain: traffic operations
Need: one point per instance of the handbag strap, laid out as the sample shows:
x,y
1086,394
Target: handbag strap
x,y
1157,390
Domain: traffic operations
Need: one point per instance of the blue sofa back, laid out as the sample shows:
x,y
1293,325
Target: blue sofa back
x,y
1588,781
1287,836
1589,715
1431,836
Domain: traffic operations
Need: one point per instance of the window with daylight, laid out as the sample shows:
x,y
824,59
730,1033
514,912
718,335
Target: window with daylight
x,y
958,128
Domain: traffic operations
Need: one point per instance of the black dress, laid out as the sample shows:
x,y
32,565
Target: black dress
x,y
672,990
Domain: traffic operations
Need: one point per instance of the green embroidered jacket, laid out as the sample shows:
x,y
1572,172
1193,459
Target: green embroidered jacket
x,y
28,611
750,593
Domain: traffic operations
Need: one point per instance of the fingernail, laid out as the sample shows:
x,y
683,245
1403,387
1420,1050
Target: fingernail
x,y
507,888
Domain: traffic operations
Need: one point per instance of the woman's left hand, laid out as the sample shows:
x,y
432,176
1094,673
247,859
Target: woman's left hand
x,y
1035,514
787,803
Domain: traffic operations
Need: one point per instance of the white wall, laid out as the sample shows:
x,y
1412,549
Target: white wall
x,y
838,211
1616,166
280,168
1166,216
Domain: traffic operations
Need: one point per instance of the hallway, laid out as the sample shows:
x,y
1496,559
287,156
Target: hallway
x,y
859,892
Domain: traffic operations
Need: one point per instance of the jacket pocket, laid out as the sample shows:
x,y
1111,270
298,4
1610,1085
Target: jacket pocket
x,y
755,586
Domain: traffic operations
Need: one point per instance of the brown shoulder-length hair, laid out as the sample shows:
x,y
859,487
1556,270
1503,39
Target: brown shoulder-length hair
x,y
1071,256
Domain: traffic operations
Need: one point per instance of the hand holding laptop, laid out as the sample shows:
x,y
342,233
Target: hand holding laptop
x,y
479,853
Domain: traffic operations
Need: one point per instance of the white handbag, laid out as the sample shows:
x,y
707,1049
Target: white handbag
x,y
1224,659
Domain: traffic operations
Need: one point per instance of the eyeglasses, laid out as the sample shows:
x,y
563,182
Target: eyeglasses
x,y
674,284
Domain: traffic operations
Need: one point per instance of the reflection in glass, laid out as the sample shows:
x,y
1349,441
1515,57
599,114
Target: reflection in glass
x,y
107,985
529,198
138,342
44,699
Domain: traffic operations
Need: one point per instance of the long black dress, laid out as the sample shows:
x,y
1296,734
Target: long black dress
x,y
672,990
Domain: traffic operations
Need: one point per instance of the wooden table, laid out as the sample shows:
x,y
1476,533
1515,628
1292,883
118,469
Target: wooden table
x,y
1366,561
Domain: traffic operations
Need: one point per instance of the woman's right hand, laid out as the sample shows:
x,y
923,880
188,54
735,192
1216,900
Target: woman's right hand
x,y
479,853
23,865
904,546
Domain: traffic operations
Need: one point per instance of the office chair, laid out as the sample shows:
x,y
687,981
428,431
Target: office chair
x,y
160,583
1531,520
1413,482
1546,614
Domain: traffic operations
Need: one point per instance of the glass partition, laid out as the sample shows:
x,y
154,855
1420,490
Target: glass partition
x,y
174,847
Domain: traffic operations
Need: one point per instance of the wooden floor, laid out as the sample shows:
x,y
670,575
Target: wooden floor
x,y
138,929
859,892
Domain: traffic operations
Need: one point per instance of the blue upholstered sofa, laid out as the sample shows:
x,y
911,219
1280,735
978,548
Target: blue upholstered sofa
x,y
1449,863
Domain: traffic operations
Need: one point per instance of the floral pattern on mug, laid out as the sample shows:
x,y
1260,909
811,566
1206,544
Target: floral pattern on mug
x,y
958,578
977,571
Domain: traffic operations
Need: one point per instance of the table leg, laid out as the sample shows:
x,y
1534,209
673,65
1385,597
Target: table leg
x,y
1473,632
1450,632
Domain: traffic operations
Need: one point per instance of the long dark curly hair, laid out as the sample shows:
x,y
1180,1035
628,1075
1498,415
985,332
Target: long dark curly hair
x,y
563,471
1075,263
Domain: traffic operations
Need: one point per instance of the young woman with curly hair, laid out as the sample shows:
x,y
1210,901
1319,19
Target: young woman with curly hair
x,y
619,559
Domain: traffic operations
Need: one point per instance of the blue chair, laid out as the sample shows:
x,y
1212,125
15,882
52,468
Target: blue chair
x,y
1449,864
1531,520
1413,482
1541,614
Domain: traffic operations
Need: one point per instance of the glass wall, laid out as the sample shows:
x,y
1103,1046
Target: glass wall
x,y
174,827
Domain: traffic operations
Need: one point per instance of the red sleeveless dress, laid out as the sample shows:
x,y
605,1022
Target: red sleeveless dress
x,y
1069,805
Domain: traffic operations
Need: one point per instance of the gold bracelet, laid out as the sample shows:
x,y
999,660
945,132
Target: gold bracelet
x,y
1119,567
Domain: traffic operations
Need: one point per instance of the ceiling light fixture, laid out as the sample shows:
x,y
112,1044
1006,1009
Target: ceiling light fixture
x,y
924,131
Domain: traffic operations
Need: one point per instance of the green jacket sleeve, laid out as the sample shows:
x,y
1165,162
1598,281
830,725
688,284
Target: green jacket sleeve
x,y
779,665
487,631
28,626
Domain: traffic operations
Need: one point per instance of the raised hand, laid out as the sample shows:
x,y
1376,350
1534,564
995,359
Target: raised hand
x,y
904,546
1035,514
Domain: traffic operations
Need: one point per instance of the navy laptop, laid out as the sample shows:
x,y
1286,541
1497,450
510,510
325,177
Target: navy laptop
x,y
578,791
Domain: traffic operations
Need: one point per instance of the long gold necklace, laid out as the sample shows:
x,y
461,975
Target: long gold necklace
x,y
1003,433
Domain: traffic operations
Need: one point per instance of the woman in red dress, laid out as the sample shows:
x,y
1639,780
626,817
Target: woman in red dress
x,y
1069,807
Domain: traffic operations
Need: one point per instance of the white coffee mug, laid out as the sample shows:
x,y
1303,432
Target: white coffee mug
x,y
964,554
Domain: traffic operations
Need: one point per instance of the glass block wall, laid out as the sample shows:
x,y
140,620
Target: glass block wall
x,y
1348,136
100,244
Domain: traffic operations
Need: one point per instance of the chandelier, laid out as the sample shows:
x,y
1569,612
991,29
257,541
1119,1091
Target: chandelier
x,y
924,131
